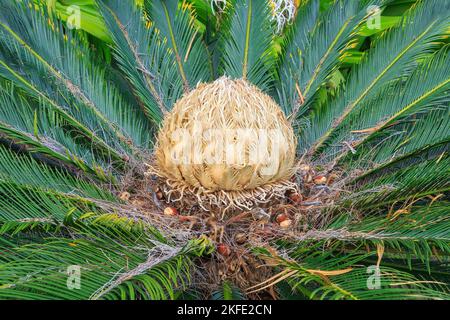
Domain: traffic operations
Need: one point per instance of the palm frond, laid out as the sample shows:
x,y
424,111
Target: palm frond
x,y
35,128
416,232
409,184
24,170
413,140
246,43
393,56
112,264
140,54
295,43
327,275
27,202
176,24
412,122
35,44
315,51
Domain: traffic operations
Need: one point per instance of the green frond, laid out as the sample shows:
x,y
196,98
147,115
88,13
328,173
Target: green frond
x,y
34,44
227,291
426,178
112,264
63,117
407,124
419,137
140,53
425,91
315,51
246,43
417,233
24,170
295,44
37,130
393,56
175,22
394,285
22,202
337,275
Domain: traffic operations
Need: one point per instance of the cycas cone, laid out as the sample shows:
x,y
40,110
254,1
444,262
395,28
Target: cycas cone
x,y
226,136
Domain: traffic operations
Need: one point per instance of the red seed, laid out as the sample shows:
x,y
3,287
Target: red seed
x,y
281,217
223,249
191,219
331,178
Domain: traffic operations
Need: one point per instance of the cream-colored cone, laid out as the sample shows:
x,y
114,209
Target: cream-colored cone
x,y
225,136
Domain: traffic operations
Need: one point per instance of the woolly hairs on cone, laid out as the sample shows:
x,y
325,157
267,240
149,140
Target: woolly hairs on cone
x,y
226,143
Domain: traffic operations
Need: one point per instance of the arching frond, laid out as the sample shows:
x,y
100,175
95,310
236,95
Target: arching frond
x,y
393,56
54,64
246,43
37,129
141,56
110,263
417,108
175,23
327,275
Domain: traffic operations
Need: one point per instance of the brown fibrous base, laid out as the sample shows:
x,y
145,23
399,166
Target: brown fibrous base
x,y
241,222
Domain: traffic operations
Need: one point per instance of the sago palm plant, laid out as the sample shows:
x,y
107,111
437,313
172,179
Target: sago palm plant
x,y
349,199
